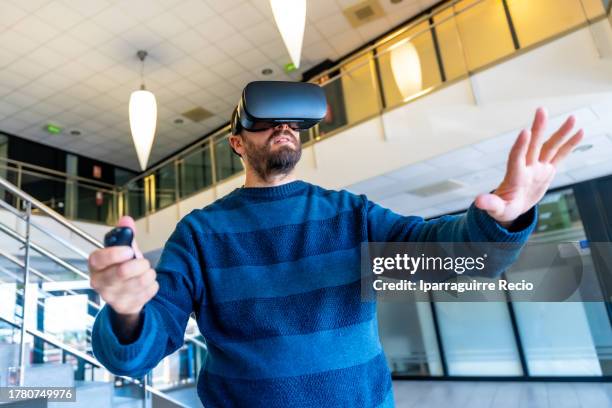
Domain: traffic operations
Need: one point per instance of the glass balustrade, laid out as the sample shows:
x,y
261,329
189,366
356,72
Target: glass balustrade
x,y
61,307
72,197
196,171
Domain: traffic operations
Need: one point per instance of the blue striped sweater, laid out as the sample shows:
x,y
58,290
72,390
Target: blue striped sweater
x,y
273,276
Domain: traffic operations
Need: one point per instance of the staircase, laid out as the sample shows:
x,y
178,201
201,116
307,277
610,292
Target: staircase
x,y
48,342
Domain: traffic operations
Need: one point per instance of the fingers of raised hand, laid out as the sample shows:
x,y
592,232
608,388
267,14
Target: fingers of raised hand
x,y
537,133
567,148
519,150
551,146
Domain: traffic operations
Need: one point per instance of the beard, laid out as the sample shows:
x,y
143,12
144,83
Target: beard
x,y
267,163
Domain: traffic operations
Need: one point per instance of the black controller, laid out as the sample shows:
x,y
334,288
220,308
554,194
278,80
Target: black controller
x,y
119,236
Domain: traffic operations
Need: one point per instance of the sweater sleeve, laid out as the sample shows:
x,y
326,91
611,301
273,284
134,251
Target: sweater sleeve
x,y
163,319
475,225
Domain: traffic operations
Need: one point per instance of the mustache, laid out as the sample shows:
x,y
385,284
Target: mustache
x,y
281,133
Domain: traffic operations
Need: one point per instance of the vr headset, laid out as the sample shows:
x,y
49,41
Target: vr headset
x,y
267,104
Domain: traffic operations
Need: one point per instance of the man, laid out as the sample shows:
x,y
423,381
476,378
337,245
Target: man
x,y
272,273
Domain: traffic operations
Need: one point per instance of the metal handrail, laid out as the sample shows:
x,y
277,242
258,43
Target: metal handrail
x,y
48,295
214,137
11,188
97,306
65,243
28,269
52,172
392,36
61,220
106,189
45,294
59,179
43,251
87,358
44,277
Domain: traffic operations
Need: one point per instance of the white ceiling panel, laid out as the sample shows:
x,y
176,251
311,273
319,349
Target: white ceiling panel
x,y
74,63
88,8
36,29
59,14
11,14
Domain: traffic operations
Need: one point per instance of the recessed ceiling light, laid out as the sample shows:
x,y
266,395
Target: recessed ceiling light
x,y
267,71
582,148
440,187
75,132
178,121
197,114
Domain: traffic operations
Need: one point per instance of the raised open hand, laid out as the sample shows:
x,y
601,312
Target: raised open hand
x,y
532,165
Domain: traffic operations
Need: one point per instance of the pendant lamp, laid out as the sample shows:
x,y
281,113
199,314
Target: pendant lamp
x,y
143,118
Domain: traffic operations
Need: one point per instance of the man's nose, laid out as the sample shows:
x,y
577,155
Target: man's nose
x,y
282,126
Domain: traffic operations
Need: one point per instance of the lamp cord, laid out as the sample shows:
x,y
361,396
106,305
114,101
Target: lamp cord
x,y
142,55
142,84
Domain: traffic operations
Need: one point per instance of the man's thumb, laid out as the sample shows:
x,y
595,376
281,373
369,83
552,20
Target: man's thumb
x,y
491,203
127,221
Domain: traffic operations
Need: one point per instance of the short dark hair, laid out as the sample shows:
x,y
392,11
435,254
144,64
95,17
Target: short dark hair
x,y
235,125
235,129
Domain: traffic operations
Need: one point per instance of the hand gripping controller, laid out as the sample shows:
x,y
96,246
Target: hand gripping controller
x,y
119,236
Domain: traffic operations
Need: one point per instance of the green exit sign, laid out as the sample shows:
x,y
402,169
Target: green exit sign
x,y
53,129
290,67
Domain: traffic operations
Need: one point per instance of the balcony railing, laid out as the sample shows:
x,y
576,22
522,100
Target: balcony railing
x,y
450,43
454,41
74,197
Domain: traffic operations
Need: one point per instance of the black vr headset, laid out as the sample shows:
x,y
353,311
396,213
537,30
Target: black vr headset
x,y
267,104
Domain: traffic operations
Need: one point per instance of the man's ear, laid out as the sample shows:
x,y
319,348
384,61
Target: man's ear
x,y
236,144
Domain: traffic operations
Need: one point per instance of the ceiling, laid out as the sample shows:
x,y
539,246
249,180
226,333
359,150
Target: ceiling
x,y
480,167
74,64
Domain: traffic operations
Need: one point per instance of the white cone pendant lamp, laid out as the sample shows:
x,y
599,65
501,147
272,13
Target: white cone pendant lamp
x,y
290,17
406,67
143,119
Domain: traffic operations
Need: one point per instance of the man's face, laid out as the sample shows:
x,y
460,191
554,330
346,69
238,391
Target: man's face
x,y
273,151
